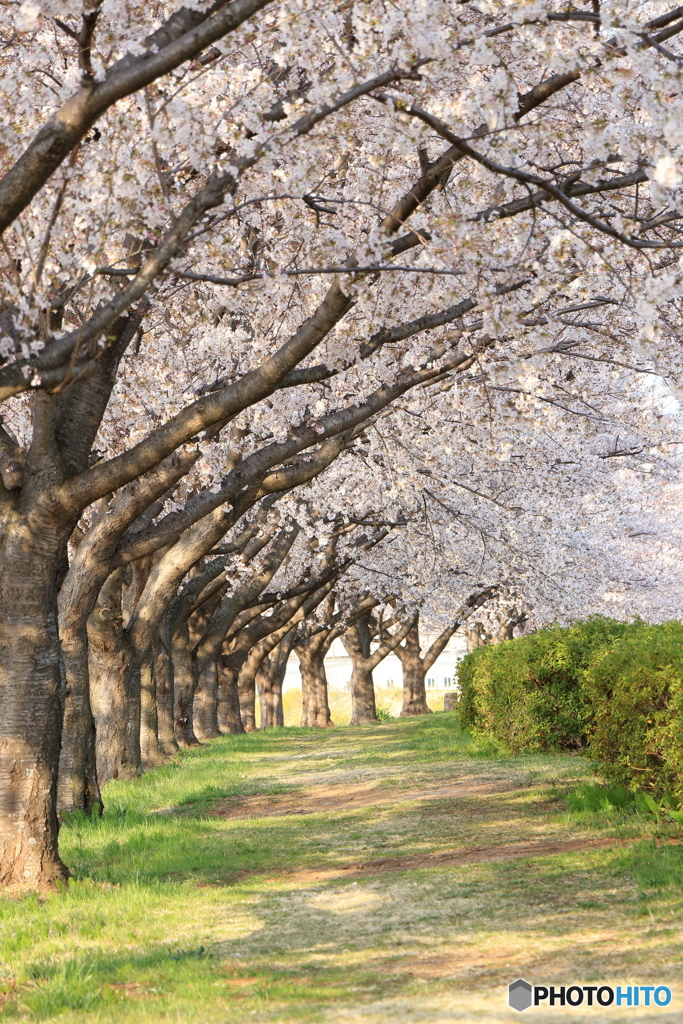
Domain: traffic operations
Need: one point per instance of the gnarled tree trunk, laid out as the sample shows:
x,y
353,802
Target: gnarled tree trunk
x,y
357,640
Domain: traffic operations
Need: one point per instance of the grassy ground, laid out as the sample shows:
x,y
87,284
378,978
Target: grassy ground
x,y
400,872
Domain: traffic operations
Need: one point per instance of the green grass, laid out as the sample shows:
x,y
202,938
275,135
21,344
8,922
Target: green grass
x,y
175,914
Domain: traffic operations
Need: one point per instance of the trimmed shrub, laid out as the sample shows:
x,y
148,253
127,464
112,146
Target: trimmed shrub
x,y
633,692
527,692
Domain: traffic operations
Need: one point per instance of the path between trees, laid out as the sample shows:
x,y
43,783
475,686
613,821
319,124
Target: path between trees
x,y
397,872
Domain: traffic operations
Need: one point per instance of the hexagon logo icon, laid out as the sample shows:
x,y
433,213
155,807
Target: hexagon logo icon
x,y
519,995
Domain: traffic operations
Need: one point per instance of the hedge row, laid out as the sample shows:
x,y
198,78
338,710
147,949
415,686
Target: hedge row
x,y
615,687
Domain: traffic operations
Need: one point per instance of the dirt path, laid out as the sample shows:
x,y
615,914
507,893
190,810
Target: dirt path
x,y
483,877
394,874
341,797
321,798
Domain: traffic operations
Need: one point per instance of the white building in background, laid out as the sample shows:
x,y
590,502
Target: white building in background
x,y
389,673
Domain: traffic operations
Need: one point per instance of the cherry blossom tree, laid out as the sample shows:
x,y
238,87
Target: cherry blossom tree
x,y
422,259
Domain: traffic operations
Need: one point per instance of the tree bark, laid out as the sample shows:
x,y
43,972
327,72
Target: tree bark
x,y
357,640
315,711
362,695
114,688
78,786
269,679
246,688
184,683
228,708
163,674
150,752
205,709
414,692
31,718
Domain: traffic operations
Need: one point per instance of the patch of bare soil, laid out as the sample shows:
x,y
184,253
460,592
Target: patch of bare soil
x,y
454,858
322,799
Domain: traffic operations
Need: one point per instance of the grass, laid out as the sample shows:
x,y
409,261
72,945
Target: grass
x,y
347,895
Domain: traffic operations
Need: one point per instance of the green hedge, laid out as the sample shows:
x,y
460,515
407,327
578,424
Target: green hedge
x,y
527,692
615,686
634,693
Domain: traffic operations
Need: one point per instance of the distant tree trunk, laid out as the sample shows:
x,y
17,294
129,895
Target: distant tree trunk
x,y
414,693
150,751
475,637
184,683
228,708
363,707
507,626
315,710
357,640
246,688
78,787
206,703
269,679
264,687
114,688
163,675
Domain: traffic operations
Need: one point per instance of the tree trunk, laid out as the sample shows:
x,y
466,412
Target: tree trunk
x,y
246,688
150,751
228,706
184,683
205,709
270,681
414,693
475,637
357,641
315,712
78,788
362,694
114,688
163,675
31,702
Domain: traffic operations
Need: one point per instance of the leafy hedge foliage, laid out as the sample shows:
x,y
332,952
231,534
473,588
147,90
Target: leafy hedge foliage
x,y
613,685
634,691
527,692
